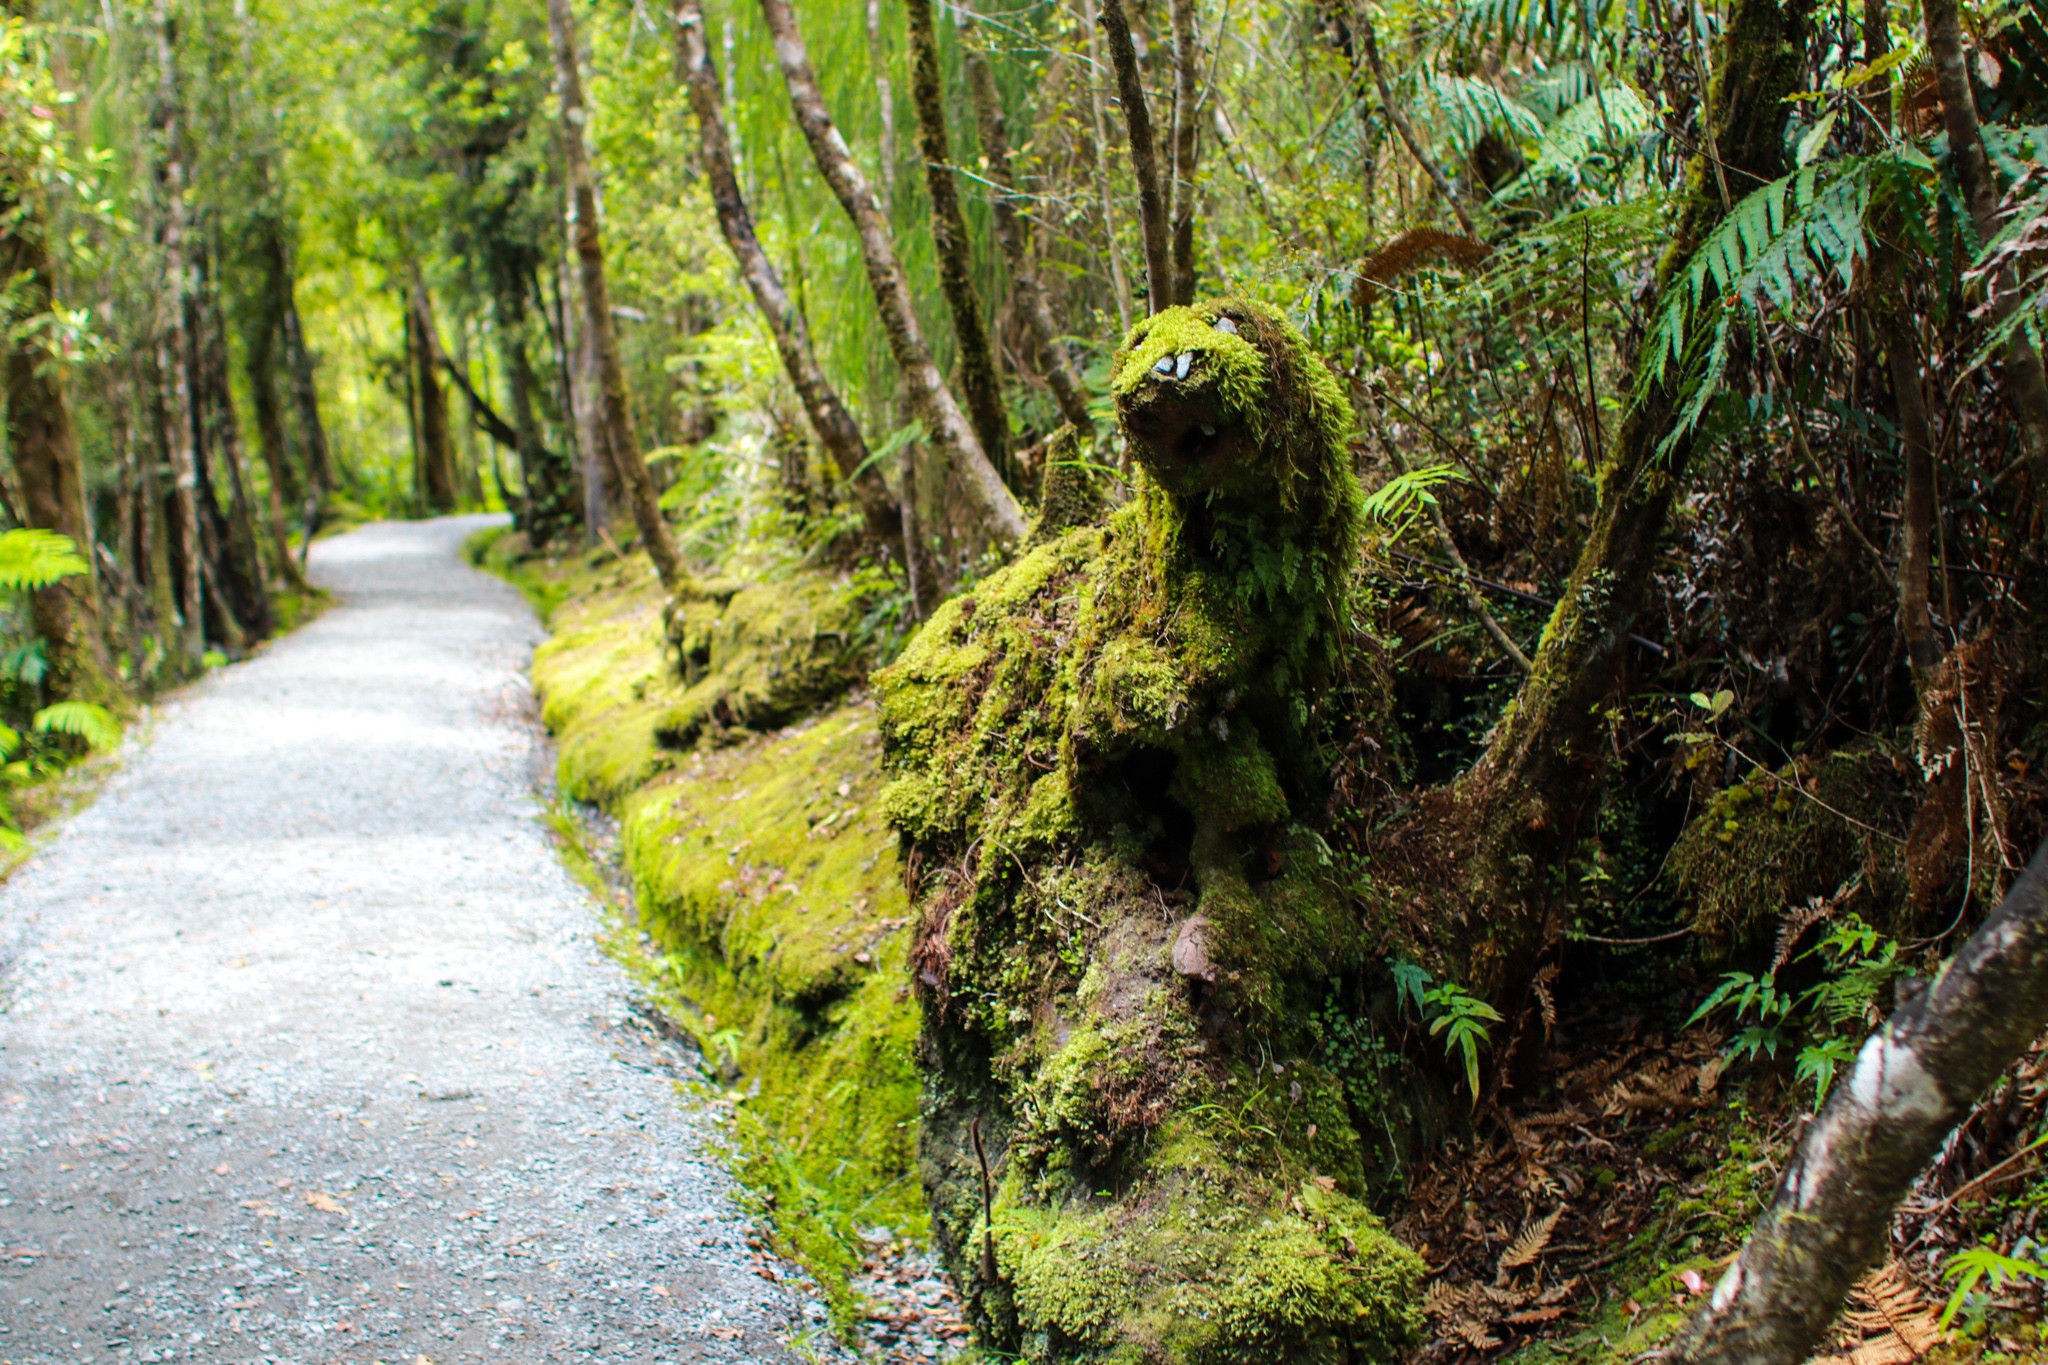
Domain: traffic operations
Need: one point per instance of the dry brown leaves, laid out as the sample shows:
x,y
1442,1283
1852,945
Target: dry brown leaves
x,y
1889,1322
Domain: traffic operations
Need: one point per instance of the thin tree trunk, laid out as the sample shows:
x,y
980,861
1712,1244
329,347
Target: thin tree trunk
x,y
1152,224
243,569
2024,380
885,101
600,484
1525,795
180,423
837,430
1369,40
259,367
1065,384
1187,127
1915,1079
1892,319
978,379
933,403
1100,125
614,403
437,454
547,493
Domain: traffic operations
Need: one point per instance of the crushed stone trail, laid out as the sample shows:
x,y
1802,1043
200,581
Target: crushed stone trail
x,y
307,1049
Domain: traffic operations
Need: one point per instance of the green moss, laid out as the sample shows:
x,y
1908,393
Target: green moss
x,y
1769,843
1106,767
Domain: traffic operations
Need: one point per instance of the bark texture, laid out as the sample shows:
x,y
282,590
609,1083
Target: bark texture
x,y
1067,390
1914,1081
614,404
1152,223
836,428
978,379
944,424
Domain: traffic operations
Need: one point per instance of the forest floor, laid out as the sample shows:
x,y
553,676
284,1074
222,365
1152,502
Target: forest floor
x,y
308,1049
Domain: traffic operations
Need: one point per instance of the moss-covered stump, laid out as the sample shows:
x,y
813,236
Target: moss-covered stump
x,y
1106,773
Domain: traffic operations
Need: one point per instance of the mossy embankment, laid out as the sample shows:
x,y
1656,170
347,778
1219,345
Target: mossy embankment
x,y
762,873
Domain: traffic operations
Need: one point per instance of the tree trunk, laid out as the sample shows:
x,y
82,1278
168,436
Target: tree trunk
x,y
1066,386
548,498
614,403
437,452
180,420
241,560
2024,380
43,447
1152,224
1524,797
1187,127
949,238
837,430
933,403
259,366
1915,1079
1099,124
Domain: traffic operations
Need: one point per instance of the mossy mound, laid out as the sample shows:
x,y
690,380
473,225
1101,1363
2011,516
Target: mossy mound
x,y
1108,774
758,656
1765,846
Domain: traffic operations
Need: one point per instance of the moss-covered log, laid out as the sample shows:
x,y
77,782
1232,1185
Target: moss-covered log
x,y
1106,773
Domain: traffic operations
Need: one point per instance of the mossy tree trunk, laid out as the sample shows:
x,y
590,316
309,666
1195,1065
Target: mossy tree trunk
x,y
612,400
978,378
43,448
835,426
1060,377
283,486
1524,798
948,429
437,451
239,563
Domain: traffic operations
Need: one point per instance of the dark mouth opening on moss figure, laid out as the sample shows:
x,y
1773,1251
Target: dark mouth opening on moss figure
x,y
1182,436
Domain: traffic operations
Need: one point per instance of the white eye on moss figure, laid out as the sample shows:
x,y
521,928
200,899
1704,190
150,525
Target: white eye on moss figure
x,y
1226,324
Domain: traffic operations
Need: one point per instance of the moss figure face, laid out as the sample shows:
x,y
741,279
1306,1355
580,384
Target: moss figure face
x,y
1189,385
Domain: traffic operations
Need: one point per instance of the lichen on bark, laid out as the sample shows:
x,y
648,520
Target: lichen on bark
x,y
1107,776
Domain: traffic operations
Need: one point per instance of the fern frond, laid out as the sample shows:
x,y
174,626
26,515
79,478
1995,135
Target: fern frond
x,y
32,558
1599,123
81,720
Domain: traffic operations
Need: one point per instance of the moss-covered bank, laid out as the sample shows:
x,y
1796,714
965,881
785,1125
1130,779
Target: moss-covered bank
x,y
760,868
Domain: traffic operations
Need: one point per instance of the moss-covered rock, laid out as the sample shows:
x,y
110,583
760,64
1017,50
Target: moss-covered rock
x,y
1107,772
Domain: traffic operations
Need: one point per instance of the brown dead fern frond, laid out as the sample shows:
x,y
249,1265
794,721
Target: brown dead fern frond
x,y
1408,251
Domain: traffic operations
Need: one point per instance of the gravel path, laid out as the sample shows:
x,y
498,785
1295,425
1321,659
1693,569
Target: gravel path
x,y
307,1053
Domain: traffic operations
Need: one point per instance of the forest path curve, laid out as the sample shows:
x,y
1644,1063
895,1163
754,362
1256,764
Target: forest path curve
x,y
308,1052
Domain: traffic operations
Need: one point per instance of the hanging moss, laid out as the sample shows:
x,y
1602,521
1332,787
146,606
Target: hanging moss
x,y
1106,770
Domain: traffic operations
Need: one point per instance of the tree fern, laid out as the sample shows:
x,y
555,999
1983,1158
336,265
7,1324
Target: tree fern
x,y
1778,244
